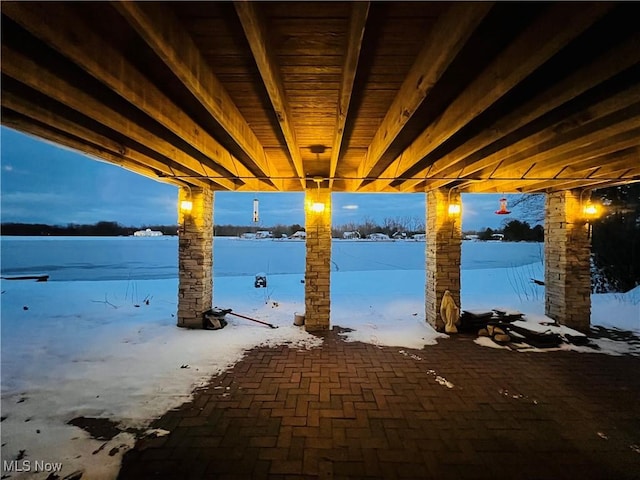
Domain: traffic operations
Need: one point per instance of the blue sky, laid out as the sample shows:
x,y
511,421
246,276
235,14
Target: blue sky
x,y
44,183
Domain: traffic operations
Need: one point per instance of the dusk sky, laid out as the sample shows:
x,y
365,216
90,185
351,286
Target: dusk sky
x,y
45,183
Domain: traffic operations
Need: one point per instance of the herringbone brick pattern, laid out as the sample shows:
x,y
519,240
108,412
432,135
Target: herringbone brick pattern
x,y
450,411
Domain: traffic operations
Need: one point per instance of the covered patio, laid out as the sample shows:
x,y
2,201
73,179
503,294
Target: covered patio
x,y
429,98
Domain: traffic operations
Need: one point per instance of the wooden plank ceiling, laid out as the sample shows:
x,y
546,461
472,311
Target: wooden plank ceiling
x,y
369,97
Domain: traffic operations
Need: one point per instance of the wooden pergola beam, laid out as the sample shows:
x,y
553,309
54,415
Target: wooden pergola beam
x,y
580,140
588,125
523,56
441,47
88,141
626,137
256,34
50,134
357,24
107,65
32,74
157,25
601,69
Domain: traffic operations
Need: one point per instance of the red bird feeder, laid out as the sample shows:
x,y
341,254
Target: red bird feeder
x,y
503,207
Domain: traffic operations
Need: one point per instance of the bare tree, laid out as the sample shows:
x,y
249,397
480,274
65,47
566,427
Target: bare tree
x,y
530,205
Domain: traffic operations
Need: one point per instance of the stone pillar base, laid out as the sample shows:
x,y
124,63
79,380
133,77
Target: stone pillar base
x,y
317,290
195,257
443,251
567,251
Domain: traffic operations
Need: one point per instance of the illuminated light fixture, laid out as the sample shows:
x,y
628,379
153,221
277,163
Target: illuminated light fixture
x,y
186,206
317,207
454,209
503,207
590,210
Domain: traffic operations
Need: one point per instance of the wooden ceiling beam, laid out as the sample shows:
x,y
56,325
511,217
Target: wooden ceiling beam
x,y
441,47
107,65
159,28
567,150
52,135
606,117
87,140
620,177
357,24
601,69
545,37
27,71
256,34
625,137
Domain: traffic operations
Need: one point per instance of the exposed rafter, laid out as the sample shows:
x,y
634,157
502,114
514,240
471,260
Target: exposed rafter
x,y
602,69
167,37
440,48
357,23
31,74
256,33
519,60
111,68
37,119
403,96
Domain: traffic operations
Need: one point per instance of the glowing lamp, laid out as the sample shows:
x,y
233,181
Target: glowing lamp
x,y
186,206
590,210
454,209
317,207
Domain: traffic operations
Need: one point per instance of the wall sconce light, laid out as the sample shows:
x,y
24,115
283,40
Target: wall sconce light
x,y
454,208
590,211
186,206
317,206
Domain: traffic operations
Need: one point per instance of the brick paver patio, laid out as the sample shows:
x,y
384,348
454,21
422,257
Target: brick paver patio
x,y
455,410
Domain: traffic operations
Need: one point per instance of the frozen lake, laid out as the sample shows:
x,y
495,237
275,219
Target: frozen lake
x,y
139,258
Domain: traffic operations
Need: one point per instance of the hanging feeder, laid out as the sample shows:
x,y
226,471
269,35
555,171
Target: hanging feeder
x,y
503,207
256,217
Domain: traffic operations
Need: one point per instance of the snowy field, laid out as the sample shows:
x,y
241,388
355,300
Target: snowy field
x,y
99,339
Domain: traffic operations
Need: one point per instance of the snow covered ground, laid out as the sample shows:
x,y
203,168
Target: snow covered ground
x,y
110,349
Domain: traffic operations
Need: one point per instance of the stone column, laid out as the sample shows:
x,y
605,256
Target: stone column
x,y
317,291
567,250
195,256
443,250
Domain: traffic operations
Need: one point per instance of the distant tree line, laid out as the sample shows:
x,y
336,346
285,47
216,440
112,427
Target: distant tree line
x,y
408,224
100,229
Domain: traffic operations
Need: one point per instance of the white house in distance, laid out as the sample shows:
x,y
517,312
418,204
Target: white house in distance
x,y
147,233
300,235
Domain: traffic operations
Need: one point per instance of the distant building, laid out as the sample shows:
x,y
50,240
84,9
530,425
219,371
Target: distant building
x,y
421,237
300,234
471,237
351,235
497,236
147,233
378,236
248,236
263,234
